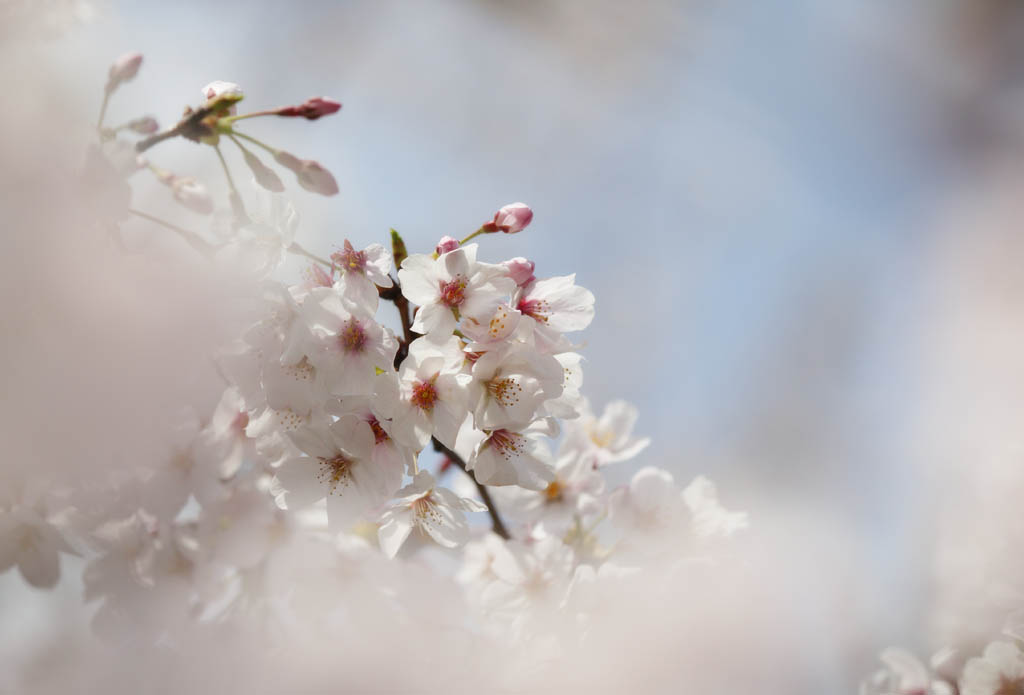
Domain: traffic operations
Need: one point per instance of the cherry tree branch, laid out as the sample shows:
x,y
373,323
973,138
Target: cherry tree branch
x,y
497,524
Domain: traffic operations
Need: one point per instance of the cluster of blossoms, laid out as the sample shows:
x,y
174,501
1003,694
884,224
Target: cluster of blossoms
x,y
310,470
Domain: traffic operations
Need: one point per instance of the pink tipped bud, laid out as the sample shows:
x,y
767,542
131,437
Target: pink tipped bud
x,y
446,244
146,125
263,174
520,270
513,218
312,109
123,69
288,160
312,176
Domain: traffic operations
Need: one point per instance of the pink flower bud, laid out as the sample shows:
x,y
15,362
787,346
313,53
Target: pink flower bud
x,y
446,244
288,160
312,176
512,218
146,125
263,174
520,270
123,69
312,109
315,178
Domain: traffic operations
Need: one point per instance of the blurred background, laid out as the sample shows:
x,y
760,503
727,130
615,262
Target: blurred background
x,y
800,220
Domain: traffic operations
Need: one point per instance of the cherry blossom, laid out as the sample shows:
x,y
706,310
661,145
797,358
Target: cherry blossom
x,y
435,511
451,286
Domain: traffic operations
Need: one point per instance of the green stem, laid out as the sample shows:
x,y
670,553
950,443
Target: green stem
x,y
237,204
300,251
254,141
193,239
231,119
474,234
103,111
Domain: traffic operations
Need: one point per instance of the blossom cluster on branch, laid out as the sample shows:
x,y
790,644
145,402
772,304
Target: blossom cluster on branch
x,y
313,475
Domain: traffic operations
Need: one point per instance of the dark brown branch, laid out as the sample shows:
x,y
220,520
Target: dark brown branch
x,y
191,126
496,522
394,294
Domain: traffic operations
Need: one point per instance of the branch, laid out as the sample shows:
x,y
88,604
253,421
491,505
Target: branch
x,y
191,126
194,240
496,522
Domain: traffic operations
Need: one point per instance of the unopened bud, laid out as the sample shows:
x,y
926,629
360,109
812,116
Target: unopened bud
x,y
446,244
123,69
263,174
312,176
146,125
520,270
512,218
288,160
312,108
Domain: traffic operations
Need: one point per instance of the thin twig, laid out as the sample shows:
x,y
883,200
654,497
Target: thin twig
x,y
300,251
496,522
193,239
190,126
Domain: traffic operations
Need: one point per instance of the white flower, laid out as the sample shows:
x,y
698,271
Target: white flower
x,y
574,492
710,518
505,457
555,306
435,511
608,439
509,387
452,286
532,579
348,346
430,395
999,671
361,273
30,541
340,467
649,505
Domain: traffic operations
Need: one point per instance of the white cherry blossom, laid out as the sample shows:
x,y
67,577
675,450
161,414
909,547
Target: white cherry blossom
x,y
361,273
435,511
338,466
451,286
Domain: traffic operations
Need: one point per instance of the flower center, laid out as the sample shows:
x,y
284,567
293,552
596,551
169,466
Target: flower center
x,y
352,336
536,309
379,435
553,492
335,471
506,391
424,395
426,510
349,260
453,292
508,444
601,438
